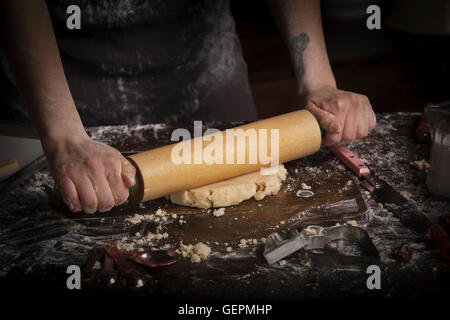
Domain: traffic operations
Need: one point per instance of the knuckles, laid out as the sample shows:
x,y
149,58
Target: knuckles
x,y
131,169
111,161
94,164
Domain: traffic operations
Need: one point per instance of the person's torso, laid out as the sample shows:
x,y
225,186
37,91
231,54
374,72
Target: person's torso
x,y
141,61
134,36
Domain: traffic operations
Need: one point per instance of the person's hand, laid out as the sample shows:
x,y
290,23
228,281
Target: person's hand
x,y
90,175
343,115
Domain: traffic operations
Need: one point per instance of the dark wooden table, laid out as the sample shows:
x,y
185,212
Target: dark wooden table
x,y
39,238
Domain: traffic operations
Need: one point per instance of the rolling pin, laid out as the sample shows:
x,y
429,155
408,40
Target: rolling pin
x,y
157,175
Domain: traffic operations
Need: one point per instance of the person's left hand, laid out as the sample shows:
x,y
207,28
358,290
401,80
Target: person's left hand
x,y
343,115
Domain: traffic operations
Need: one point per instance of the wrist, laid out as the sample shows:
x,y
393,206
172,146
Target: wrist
x,y
57,122
306,87
55,137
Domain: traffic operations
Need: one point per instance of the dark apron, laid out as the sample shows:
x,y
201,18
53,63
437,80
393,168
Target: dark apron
x,y
137,61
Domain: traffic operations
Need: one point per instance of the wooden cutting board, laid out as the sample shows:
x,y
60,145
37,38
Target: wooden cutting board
x,y
335,199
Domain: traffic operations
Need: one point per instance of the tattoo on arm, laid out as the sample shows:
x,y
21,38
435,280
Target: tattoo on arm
x,y
298,45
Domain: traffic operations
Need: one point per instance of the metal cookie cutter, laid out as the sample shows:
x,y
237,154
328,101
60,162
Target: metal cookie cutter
x,y
340,246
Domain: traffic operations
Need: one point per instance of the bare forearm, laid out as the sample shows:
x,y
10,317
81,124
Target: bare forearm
x,y
30,45
301,26
344,115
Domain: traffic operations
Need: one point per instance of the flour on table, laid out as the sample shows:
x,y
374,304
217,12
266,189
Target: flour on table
x,y
232,191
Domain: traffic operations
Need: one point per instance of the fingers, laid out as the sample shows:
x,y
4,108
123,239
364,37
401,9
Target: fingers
x,y
69,193
372,119
337,106
362,117
367,119
128,173
326,120
96,170
332,139
91,175
350,112
86,193
117,185
96,186
363,122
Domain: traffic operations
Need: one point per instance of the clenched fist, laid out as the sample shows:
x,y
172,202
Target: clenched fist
x,y
343,115
90,175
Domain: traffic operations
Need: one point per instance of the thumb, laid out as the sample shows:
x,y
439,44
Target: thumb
x,y
128,173
327,121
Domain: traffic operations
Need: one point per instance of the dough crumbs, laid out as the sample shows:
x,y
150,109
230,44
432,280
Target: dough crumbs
x,y
420,165
139,242
282,262
159,213
126,246
352,223
405,194
304,186
243,243
195,258
196,253
219,212
138,218
229,249
234,190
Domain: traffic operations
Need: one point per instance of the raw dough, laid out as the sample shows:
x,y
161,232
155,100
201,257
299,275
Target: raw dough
x,y
219,212
196,253
232,191
420,165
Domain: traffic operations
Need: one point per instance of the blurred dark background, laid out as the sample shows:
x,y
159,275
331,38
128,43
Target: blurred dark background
x,y
401,67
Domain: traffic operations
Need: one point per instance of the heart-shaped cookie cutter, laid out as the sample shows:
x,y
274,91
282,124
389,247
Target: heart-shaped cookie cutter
x,y
324,246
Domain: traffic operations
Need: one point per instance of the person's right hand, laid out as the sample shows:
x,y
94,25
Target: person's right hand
x,y
90,175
